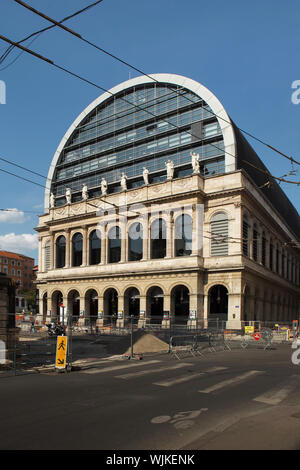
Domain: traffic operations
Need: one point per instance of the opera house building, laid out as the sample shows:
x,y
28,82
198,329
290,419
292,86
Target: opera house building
x,y
157,207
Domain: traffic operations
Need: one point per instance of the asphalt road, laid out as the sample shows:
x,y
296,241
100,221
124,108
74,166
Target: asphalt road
x,y
242,399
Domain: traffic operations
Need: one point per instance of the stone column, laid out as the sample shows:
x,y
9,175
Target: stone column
x,y
104,245
166,323
84,247
143,313
100,319
121,313
169,235
68,249
83,317
52,251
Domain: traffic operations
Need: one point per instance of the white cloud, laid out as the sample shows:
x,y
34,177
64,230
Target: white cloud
x,y
19,243
12,216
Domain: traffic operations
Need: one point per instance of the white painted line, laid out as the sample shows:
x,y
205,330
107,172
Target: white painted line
x,y
277,394
226,383
186,378
159,369
123,366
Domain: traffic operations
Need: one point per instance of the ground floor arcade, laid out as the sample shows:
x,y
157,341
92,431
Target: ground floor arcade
x,y
193,299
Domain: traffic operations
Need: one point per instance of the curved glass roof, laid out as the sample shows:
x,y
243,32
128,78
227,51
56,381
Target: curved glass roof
x,y
141,126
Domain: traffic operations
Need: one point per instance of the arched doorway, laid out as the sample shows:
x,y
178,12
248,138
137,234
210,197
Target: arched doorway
x,y
180,304
110,306
74,305
155,304
56,302
91,306
132,303
218,306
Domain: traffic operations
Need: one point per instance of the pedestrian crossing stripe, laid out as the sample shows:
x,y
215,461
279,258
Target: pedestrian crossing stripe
x,y
186,378
232,381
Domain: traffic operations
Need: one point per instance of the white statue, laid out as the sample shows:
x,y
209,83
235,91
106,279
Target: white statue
x,y
170,169
124,182
85,194
104,187
52,201
146,175
68,195
195,162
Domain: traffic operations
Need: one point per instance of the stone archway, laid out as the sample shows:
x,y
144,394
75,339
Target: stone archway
x,y
56,302
110,302
91,306
155,304
74,305
218,305
180,304
132,303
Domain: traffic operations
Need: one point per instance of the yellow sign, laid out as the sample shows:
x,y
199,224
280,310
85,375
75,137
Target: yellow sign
x,y
249,330
61,352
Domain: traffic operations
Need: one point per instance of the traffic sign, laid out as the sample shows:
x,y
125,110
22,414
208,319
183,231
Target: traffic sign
x,y
61,352
257,336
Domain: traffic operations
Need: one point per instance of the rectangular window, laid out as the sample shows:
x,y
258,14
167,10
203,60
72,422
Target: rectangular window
x,y
210,130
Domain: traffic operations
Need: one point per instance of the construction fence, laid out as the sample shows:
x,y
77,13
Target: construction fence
x,y
35,349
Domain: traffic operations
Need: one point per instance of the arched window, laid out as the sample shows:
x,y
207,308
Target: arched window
x,y
183,235
135,242
245,236
114,245
158,239
219,234
60,252
77,249
95,247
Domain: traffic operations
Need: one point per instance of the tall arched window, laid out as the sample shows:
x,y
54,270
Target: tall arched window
x,y
60,252
135,242
158,239
114,245
219,234
95,247
77,249
183,235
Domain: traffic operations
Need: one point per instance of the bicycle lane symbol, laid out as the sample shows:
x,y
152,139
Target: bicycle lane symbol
x,y
181,420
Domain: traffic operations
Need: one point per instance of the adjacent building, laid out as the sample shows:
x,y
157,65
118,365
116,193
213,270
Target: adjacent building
x,y
19,268
156,206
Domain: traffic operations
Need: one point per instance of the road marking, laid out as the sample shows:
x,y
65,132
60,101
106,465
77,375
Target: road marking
x,y
275,395
160,369
226,383
123,366
186,378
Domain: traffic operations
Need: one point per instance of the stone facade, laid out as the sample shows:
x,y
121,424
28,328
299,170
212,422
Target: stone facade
x,y
256,277
8,332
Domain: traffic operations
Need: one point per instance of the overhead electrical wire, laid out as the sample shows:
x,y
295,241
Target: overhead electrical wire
x,y
37,33
56,23
49,61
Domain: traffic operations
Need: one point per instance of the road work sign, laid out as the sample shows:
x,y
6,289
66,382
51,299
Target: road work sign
x,y
61,352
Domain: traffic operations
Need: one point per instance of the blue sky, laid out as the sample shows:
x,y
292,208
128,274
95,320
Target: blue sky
x,y
246,53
